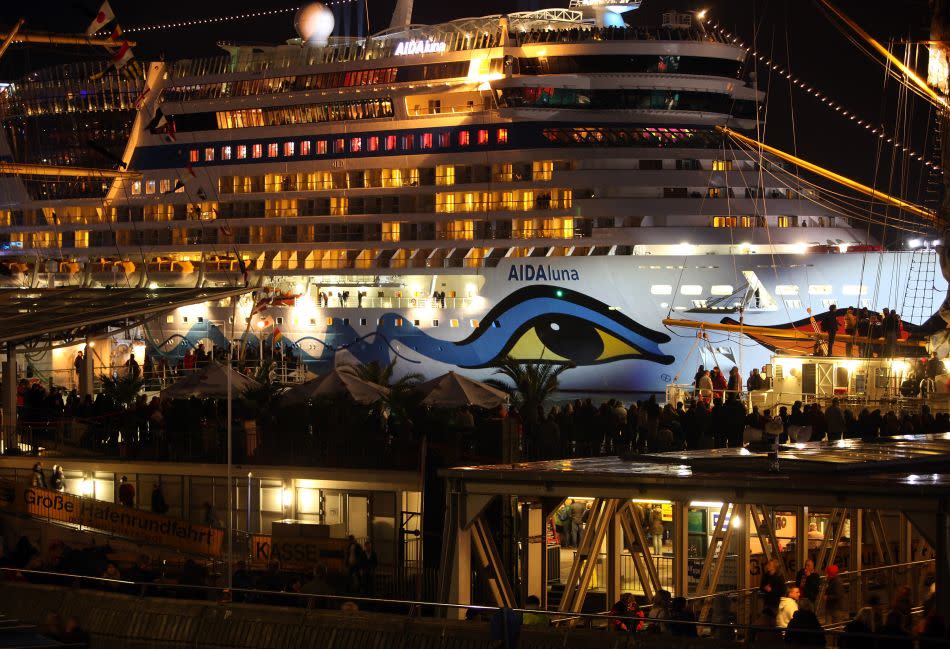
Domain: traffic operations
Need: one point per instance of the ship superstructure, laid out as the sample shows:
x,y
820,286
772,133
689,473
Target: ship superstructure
x,y
413,194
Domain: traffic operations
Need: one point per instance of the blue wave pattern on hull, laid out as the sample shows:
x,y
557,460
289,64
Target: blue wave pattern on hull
x,y
536,322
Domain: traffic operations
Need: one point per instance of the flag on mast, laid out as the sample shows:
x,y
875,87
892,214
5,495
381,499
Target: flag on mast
x,y
101,19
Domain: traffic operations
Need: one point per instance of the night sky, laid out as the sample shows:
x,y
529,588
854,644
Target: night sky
x,y
795,33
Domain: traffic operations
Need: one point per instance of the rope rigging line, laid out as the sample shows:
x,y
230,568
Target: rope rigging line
x,y
822,98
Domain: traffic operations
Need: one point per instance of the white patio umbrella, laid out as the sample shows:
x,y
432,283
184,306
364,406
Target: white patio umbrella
x,y
210,381
335,383
455,391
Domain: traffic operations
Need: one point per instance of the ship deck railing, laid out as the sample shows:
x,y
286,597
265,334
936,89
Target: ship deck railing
x,y
688,394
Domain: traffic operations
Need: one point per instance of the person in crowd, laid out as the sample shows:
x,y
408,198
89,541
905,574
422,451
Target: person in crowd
x,y
660,612
355,558
723,618
578,511
370,562
855,632
829,325
112,574
719,382
73,633
808,581
504,629
804,629
532,603
656,530
834,421
126,493
58,478
754,382
704,386
52,626
934,366
734,384
626,615
835,601
850,330
772,586
682,618
562,523
159,505
787,607
38,479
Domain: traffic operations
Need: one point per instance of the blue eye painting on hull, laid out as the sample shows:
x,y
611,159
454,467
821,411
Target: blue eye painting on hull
x,y
534,323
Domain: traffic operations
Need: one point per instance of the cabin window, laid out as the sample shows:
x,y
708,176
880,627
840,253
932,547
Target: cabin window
x,y
691,289
661,289
786,289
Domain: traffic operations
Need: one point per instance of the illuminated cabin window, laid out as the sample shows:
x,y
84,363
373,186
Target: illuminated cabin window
x,y
465,138
209,154
257,150
474,324
288,149
721,289
820,289
793,304
321,147
390,142
242,151
502,136
272,150
305,147
408,142
483,136
746,221
854,289
149,186
445,175
356,144
435,323
445,140
725,221
786,289
372,143
542,169
661,289
722,165
714,192
426,141
170,319
785,222
691,289
453,322
193,155
136,187
226,152
164,185
339,145
329,322
397,322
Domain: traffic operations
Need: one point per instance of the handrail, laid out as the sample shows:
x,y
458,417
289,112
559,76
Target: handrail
x,y
415,605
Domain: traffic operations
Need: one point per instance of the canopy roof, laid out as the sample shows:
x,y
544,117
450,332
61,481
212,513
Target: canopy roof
x,y
455,391
62,315
336,382
210,381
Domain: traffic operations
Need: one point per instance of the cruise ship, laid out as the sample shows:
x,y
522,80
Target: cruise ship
x,y
536,185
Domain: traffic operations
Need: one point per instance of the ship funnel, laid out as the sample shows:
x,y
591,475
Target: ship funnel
x,y
402,15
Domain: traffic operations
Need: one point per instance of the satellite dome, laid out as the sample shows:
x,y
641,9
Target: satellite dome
x,y
314,23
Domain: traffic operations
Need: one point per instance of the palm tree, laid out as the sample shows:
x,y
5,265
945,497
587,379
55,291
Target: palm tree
x,y
122,390
529,384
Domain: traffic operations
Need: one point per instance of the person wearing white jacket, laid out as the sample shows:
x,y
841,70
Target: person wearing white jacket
x,y
787,607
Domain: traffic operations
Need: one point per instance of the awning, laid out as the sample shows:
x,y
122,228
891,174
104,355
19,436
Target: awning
x,y
65,314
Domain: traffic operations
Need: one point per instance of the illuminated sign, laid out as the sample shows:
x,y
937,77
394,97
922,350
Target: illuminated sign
x,y
123,521
420,47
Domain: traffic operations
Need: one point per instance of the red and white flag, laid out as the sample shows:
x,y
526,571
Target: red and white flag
x,y
101,19
122,56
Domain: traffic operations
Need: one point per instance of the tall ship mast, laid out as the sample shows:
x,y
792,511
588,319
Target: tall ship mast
x,y
544,185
